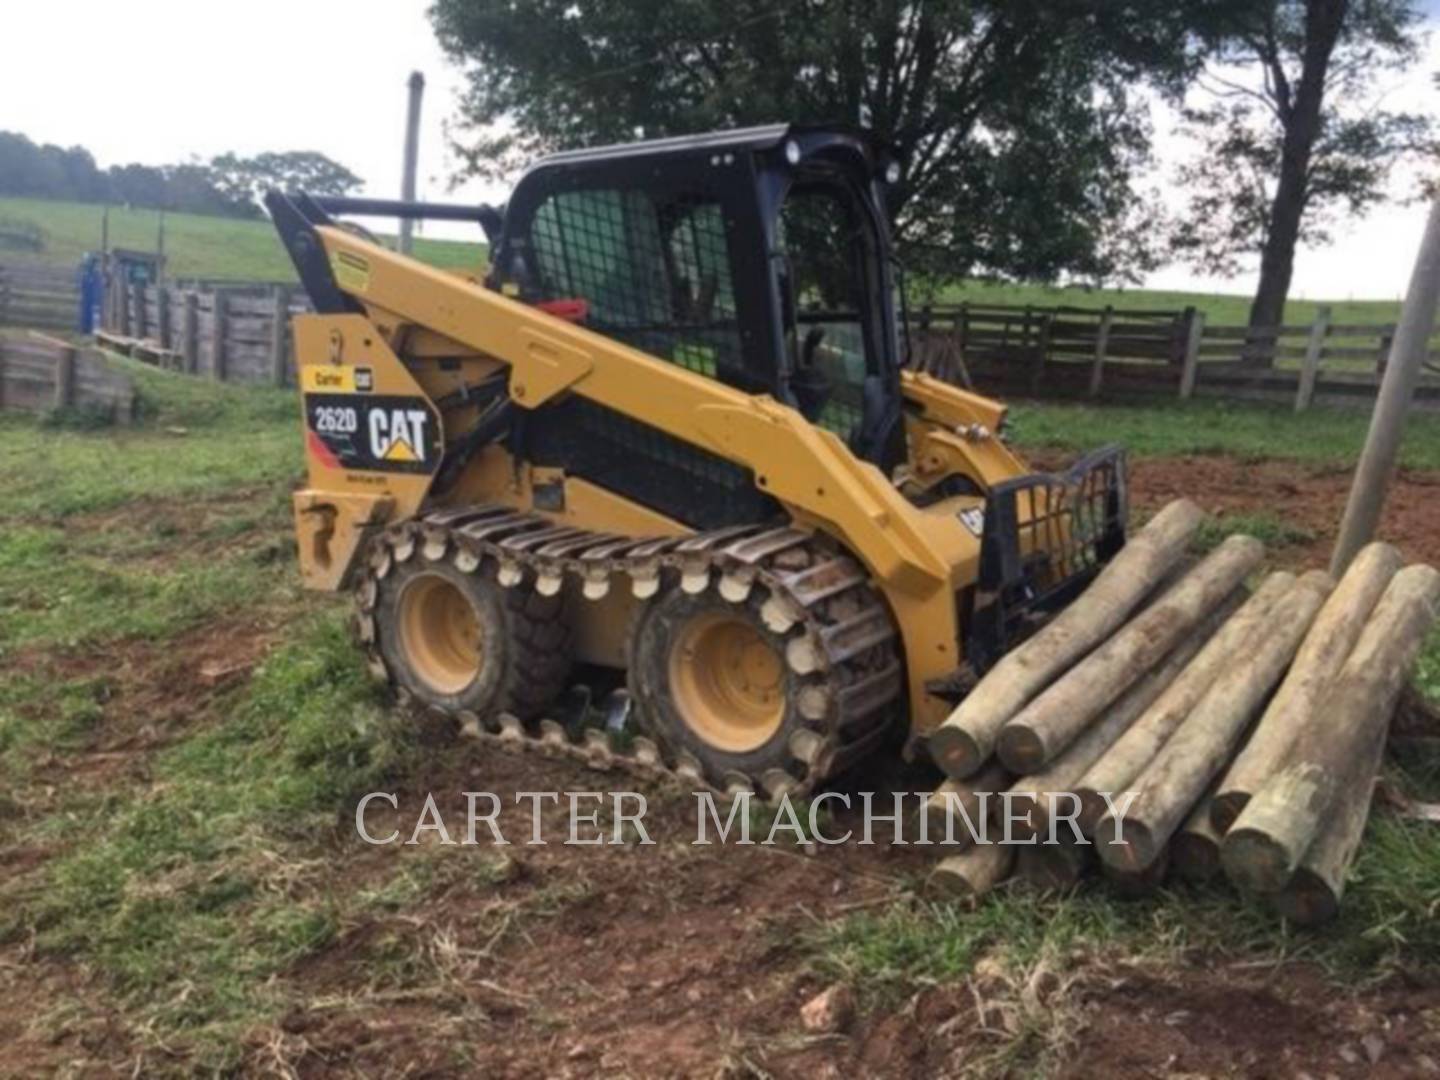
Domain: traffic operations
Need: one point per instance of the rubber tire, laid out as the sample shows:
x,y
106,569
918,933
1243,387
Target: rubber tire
x,y
658,629
527,643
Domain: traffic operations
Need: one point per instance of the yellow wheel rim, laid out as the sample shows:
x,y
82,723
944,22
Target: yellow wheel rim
x,y
727,682
440,634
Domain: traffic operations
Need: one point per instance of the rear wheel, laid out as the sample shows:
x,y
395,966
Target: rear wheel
x,y
461,642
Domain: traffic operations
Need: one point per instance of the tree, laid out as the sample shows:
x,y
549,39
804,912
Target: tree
x,y
245,180
1018,121
1293,135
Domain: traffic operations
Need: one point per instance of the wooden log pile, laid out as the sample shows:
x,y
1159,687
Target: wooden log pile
x,y
1173,721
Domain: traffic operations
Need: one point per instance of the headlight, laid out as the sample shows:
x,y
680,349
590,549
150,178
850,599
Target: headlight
x,y
892,173
792,151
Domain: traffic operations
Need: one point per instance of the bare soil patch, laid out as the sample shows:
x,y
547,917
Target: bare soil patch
x,y
1309,497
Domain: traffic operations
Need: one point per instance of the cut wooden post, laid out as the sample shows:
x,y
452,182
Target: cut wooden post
x,y
1272,834
1043,728
65,377
1031,795
279,337
1055,867
1171,785
1136,884
190,332
967,737
1102,343
218,364
1192,354
972,873
1312,895
1117,770
1310,367
946,810
1302,694
1195,851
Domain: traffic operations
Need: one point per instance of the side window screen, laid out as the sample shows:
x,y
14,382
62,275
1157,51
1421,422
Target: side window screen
x,y
654,270
824,252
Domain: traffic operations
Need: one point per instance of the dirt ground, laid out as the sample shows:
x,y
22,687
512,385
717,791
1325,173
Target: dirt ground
x,y
678,961
1310,498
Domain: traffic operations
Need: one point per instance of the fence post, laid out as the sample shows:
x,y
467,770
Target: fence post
x,y
279,338
1102,342
190,332
1192,354
162,311
65,377
142,311
217,336
4,297
1382,358
1310,367
122,304
1042,346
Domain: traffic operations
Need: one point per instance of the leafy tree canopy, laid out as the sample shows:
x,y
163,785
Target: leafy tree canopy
x,y
1020,121
1294,134
228,185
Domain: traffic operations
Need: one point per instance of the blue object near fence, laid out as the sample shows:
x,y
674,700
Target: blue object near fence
x,y
92,293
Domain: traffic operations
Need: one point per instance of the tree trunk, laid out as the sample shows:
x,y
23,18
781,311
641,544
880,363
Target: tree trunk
x,y
1196,754
1052,721
1302,694
1301,116
965,741
1274,831
1118,767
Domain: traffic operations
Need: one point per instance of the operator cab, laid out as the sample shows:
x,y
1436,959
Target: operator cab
x,y
758,257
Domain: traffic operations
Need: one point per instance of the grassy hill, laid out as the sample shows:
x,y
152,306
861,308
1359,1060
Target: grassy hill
x,y
210,247
195,246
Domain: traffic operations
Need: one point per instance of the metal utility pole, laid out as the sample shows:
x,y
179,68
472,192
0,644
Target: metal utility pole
x,y
412,156
1387,423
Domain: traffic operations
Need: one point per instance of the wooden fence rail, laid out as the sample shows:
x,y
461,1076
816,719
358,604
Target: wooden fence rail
x,y
1068,351
39,373
238,332
38,295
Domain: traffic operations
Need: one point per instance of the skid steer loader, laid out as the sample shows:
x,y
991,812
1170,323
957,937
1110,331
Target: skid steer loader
x,y
671,429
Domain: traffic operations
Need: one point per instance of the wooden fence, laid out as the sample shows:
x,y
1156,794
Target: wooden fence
x,y
38,295
237,332
39,373
1077,352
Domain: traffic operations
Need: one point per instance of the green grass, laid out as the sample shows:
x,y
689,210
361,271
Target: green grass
x,y
196,246
182,895
1249,431
195,892
200,438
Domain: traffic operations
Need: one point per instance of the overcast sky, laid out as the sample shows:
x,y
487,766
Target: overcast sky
x,y
159,81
